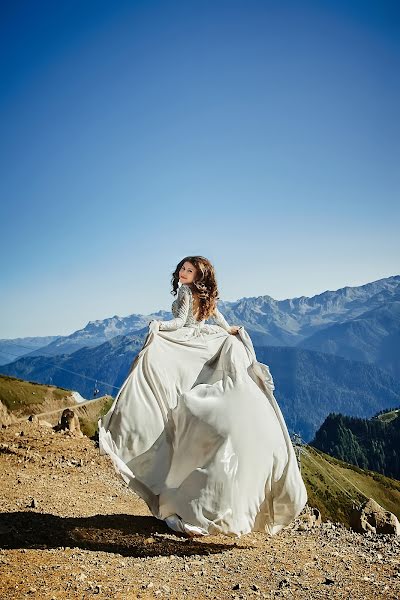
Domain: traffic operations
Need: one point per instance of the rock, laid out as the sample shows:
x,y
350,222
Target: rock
x,y
34,503
6,417
371,516
310,518
69,422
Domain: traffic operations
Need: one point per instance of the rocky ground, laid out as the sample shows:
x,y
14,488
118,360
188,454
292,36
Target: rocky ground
x,y
70,528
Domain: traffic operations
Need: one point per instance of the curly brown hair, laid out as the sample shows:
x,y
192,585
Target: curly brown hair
x,y
204,286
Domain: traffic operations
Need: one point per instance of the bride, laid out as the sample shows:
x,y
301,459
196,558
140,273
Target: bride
x,y
195,429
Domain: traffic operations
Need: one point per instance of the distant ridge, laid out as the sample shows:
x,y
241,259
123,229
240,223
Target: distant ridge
x,y
334,352
289,322
10,349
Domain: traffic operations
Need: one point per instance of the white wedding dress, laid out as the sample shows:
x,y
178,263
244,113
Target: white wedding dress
x,y
195,430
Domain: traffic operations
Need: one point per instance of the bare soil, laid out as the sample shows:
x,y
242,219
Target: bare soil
x,y
70,528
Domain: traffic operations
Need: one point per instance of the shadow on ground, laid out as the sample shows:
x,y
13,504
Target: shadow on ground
x,y
129,535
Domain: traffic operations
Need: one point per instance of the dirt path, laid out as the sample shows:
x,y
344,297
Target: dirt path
x,y
70,528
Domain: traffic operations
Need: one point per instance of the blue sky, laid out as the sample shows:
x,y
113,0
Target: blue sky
x,y
263,135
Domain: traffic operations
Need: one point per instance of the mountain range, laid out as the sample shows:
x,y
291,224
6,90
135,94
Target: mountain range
x,y
14,348
336,351
359,323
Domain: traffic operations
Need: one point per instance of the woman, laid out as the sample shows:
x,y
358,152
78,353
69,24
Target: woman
x,y
195,429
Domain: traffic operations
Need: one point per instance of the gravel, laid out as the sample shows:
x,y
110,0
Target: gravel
x,y
70,528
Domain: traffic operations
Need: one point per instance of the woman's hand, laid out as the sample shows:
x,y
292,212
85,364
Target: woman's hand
x,y
234,329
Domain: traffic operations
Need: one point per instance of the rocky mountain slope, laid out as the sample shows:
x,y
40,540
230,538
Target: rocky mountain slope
x,y
70,528
19,398
373,337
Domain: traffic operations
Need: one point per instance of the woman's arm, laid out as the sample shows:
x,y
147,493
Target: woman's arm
x,y
183,311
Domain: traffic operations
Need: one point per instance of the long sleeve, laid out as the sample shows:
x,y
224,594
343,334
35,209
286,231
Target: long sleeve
x,y
220,320
182,311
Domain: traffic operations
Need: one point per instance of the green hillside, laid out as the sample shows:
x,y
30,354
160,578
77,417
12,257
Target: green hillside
x,y
330,485
89,415
18,395
23,398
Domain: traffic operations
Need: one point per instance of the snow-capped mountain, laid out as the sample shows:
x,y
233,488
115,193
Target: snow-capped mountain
x,y
302,321
287,322
98,332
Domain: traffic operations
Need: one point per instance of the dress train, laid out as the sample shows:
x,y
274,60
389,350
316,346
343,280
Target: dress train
x,y
196,431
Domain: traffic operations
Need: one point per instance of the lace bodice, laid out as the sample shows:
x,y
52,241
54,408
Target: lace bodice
x,y
182,309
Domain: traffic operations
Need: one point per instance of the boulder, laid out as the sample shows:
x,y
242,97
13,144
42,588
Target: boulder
x,y
311,517
69,422
6,417
371,516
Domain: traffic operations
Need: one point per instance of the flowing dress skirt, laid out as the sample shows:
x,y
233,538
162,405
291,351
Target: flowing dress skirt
x,y
195,431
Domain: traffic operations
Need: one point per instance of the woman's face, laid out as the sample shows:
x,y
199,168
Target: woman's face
x,y
187,274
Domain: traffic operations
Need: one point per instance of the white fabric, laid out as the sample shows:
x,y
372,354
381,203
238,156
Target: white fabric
x,y
195,430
